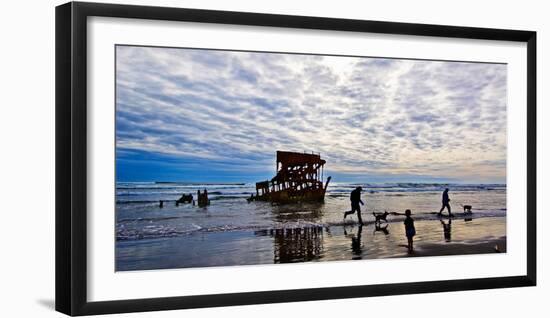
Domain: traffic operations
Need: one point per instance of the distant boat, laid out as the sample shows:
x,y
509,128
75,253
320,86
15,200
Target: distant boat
x,y
299,179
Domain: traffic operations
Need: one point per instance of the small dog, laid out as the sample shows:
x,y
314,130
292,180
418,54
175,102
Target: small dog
x,y
379,217
467,208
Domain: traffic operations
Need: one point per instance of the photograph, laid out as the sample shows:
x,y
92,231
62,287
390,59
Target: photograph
x,y
284,158
227,157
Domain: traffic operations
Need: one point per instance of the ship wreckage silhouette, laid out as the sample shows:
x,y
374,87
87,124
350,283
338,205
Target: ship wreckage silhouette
x,y
299,178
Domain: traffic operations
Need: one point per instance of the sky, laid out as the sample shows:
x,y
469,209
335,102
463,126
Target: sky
x,y
196,115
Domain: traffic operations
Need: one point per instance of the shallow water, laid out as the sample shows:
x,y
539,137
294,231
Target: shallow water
x,y
138,215
231,231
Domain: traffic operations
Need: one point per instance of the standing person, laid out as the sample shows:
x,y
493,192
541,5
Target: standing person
x,y
410,231
355,198
445,202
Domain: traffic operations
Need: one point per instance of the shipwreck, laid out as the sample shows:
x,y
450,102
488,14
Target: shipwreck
x,y
299,178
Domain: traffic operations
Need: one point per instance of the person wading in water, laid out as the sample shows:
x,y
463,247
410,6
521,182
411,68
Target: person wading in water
x,y
445,202
355,198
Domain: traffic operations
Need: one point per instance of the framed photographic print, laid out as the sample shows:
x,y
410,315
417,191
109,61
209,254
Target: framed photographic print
x,y
213,158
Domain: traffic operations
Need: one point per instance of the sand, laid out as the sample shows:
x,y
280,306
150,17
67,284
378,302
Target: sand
x,y
319,244
461,248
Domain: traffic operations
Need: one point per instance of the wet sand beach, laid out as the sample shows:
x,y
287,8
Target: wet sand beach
x,y
484,246
346,241
231,231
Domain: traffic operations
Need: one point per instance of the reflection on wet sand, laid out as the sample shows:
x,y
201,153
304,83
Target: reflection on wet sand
x,y
356,245
349,241
446,230
296,244
313,243
379,228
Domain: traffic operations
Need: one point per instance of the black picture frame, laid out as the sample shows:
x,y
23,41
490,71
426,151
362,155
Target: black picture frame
x,y
71,157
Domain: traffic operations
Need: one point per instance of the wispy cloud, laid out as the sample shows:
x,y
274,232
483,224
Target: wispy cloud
x,y
367,116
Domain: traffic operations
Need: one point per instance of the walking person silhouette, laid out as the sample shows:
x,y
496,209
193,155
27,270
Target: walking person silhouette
x,y
355,198
445,202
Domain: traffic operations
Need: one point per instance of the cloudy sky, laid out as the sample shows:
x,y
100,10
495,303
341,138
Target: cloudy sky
x,y
219,116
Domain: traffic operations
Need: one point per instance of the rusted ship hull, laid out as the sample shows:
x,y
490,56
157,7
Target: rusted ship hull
x,y
291,196
299,179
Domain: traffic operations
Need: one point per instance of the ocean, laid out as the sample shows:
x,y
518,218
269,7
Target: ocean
x,y
151,237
